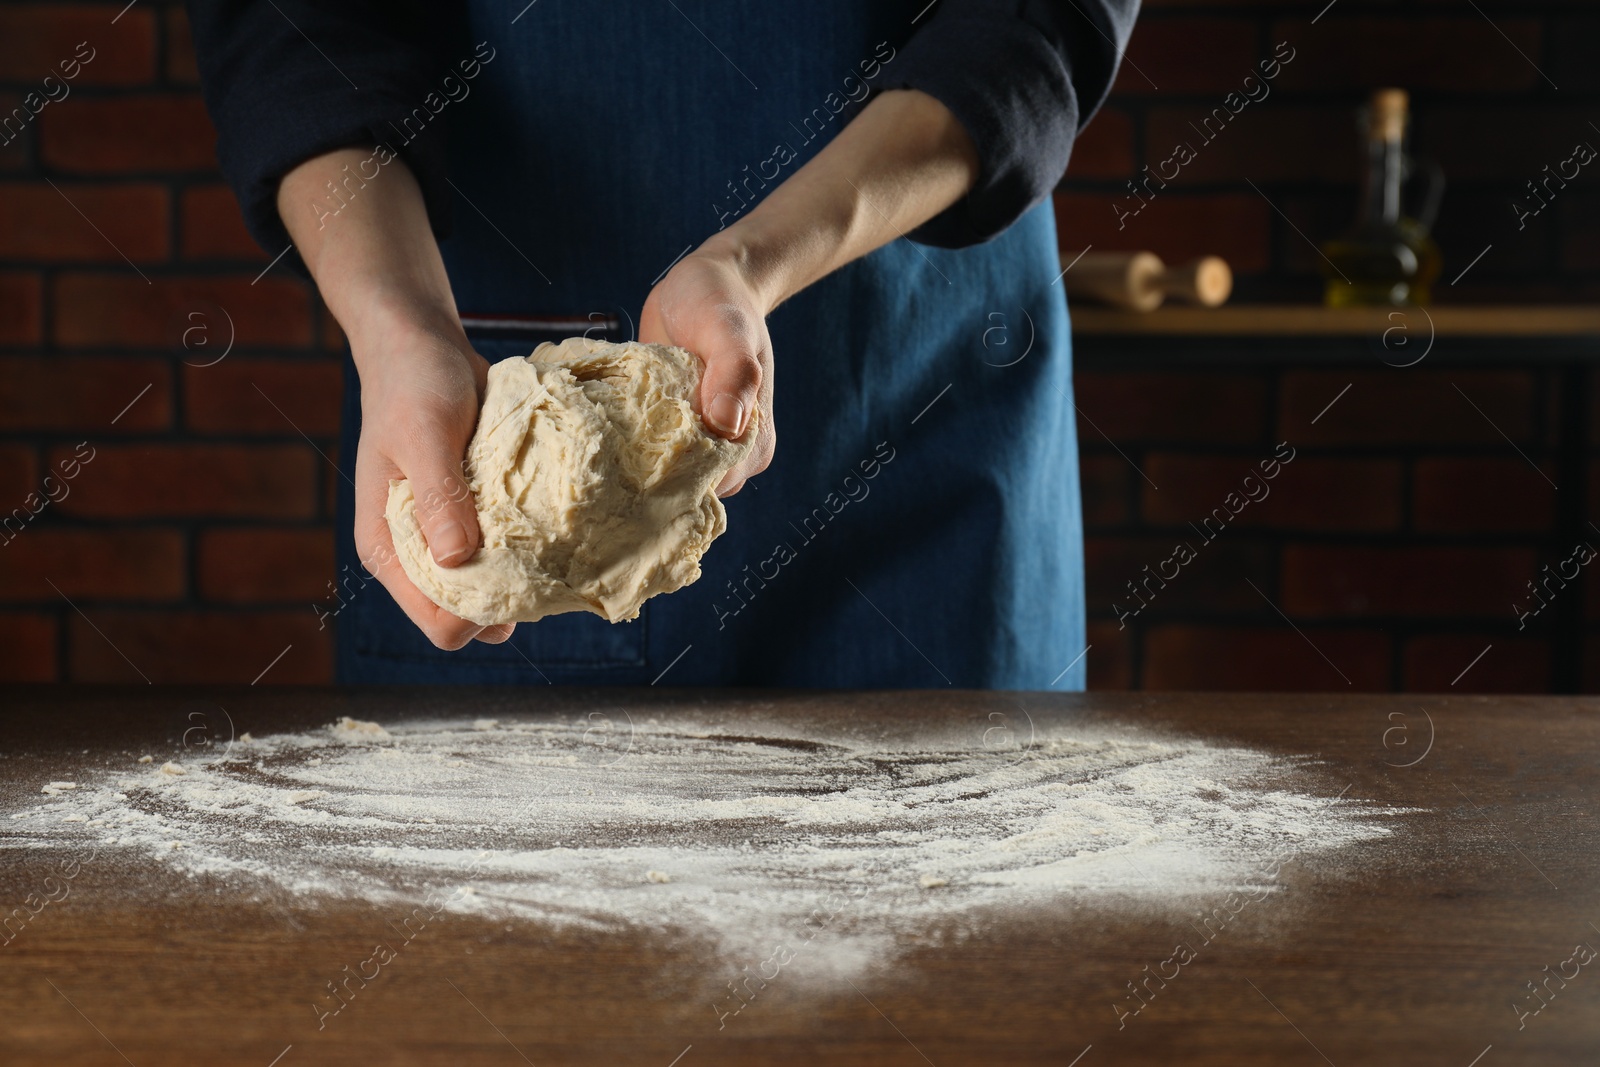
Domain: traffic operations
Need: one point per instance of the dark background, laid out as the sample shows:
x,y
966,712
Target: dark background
x,y
199,537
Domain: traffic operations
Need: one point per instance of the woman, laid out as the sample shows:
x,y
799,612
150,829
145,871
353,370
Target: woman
x,y
873,177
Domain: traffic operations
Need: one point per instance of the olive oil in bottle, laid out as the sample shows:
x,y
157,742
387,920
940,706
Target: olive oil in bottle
x,y
1386,258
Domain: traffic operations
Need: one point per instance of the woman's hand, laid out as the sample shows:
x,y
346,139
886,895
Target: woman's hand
x,y
420,395
707,304
899,163
379,270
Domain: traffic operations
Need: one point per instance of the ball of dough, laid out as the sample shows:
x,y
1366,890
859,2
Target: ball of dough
x,y
595,485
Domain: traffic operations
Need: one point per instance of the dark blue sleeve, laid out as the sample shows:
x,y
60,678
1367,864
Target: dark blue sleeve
x,y
1023,77
287,80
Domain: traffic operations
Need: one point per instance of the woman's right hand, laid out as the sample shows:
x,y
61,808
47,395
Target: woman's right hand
x,y
421,389
378,268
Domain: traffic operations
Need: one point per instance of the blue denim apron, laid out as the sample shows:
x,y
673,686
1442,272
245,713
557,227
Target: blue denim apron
x,y
920,525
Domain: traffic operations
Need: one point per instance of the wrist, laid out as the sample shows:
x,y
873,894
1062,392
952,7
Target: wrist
x,y
778,255
393,330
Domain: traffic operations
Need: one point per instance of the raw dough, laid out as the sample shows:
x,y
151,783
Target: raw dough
x,y
595,485
348,727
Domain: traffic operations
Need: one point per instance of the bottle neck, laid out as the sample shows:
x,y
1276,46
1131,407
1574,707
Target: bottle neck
x,y
1380,194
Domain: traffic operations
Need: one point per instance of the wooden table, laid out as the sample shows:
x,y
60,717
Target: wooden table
x,y
1413,952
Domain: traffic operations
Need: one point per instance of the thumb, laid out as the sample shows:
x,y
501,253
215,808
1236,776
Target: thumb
x,y
731,382
446,511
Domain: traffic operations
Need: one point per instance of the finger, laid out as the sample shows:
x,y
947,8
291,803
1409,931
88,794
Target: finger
x,y
757,461
730,386
446,511
376,548
496,635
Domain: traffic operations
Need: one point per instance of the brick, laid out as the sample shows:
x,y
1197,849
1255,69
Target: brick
x,y
16,142
1171,406
282,397
1580,230
1110,660
28,648
1412,406
1253,658
1162,56
1104,482
21,309
1591,579
181,66
1470,219
1482,495
35,39
18,474
333,339
1570,54
213,227
1214,581
1176,226
200,647
83,223
1412,582
124,564
1508,143
84,394
1324,212
1458,53
1512,665
1105,147
1308,493
266,566
114,135
1265,142
330,482
114,311
164,480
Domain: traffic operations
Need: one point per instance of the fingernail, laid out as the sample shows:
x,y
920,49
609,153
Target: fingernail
x,y
449,541
726,413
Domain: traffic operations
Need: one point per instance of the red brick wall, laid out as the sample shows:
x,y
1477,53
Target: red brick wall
x,y
193,543
1498,90
1396,541
191,546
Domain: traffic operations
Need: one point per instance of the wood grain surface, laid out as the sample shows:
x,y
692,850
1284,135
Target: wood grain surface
x,y
1416,949
1308,320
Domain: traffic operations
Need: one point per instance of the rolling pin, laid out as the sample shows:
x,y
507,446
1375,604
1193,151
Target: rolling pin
x,y
1139,281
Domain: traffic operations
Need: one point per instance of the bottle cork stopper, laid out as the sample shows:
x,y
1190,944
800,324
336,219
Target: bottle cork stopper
x,y
1388,114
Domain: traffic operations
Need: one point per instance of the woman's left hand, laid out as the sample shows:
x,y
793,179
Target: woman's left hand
x,y
707,304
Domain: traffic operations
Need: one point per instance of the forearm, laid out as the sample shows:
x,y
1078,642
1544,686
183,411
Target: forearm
x,y
902,161
370,249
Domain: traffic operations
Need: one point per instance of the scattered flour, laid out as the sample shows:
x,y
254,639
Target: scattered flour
x,y
348,727
51,789
537,821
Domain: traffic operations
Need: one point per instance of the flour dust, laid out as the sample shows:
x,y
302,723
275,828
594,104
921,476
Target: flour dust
x,y
732,834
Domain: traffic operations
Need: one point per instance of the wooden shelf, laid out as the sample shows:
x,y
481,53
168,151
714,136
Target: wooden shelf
x,y
1304,320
